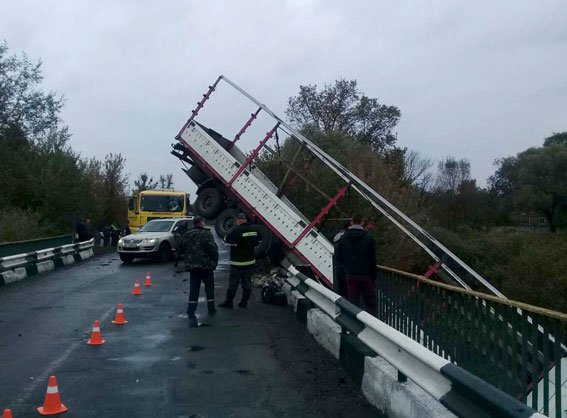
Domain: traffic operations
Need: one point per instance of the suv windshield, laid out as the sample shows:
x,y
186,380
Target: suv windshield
x,y
156,226
161,203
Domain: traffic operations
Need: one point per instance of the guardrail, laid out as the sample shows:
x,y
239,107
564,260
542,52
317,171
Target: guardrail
x,y
20,247
460,391
517,347
20,266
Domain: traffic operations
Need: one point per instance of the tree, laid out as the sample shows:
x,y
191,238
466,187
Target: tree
x,y
144,183
166,181
342,108
556,138
23,104
542,181
115,185
452,173
504,181
417,170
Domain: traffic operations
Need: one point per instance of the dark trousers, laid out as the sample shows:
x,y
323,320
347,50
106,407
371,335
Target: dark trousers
x,y
242,275
195,278
365,286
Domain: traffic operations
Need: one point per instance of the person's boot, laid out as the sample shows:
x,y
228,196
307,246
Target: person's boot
x,y
211,307
245,296
192,321
228,301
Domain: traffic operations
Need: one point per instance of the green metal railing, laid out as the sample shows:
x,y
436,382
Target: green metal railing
x,y
514,346
21,247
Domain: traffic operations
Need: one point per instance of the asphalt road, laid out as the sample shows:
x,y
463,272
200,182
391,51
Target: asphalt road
x,y
257,362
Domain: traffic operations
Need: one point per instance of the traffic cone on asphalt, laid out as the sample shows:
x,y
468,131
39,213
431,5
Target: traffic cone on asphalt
x,y
119,319
7,413
137,291
52,404
148,281
96,336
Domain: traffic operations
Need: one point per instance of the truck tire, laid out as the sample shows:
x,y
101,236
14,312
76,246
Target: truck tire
x,y
266,238
209,203
225,222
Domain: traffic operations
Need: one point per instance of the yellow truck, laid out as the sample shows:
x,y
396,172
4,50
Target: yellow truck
x,y
156,204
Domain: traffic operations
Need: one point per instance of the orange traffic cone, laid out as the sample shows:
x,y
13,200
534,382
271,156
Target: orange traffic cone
x,y
148,281
52,404
96,336
119,319
137,290
7,413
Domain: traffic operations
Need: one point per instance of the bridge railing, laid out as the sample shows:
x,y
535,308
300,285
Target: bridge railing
x,y
13,248
516,347
460,391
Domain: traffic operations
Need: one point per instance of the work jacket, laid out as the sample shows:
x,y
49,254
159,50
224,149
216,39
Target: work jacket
x,y
355,252
200,248
242,240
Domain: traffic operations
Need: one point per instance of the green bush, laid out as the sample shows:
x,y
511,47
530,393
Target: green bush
x,y
527,267
21,224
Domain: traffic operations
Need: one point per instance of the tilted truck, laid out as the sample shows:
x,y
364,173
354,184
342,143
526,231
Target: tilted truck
x,y
229,181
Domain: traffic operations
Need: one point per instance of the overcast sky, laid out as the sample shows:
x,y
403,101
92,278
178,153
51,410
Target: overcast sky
x,y
477,79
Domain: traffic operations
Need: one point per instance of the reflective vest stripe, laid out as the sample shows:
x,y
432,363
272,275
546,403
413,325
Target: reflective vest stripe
x,y
242,263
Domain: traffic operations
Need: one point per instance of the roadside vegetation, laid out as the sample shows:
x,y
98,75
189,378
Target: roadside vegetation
x,y
513,232
41,176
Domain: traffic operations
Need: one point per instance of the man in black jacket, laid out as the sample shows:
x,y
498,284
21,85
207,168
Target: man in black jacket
x,y
355,252
201,258
242,240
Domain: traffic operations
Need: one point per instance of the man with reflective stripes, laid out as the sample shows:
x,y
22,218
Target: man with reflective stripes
x,y
242,239
201,258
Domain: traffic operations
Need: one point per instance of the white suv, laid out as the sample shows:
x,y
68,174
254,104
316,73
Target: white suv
x,y
156,239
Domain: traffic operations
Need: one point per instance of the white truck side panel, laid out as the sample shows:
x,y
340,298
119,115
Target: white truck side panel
x,y
314,247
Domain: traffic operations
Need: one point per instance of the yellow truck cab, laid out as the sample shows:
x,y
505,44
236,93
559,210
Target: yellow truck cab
x,y
156,204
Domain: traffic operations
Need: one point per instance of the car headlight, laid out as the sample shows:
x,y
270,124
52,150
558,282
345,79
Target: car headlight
x,y
150,241
120,241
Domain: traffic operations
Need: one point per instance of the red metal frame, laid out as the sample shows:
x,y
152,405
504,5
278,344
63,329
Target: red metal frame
x,y
433,269
200,105
320,216
254,153
251,209
246,126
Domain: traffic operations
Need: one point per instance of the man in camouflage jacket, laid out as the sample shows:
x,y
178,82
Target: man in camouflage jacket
x,y
201,258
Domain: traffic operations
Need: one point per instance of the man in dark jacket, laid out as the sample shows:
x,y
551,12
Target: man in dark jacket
x,y
242,239
355,252
201,258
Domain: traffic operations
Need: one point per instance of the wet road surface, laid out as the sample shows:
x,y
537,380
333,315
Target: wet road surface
x,y
255,362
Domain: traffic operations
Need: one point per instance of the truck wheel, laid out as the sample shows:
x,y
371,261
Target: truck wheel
x,y
266,238
225,222
126,258
209,203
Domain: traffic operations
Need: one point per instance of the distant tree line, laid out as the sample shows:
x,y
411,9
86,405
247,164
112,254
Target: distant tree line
x,y
41,176
359,132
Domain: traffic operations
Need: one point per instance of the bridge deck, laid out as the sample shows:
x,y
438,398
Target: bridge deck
x,y
258,362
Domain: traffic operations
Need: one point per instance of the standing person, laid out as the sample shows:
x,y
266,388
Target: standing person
x,y
201,258
339,281
368,224
80,230
89,229
355,252
242,240
84,230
